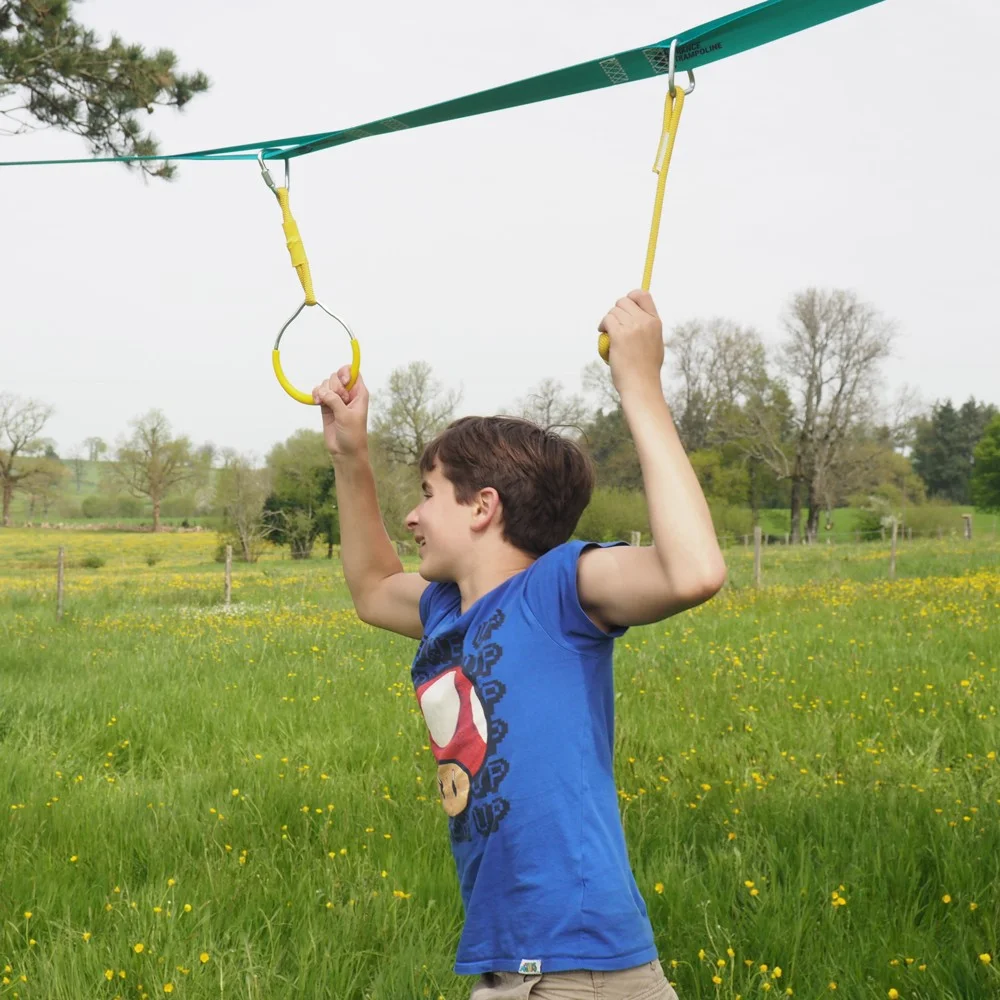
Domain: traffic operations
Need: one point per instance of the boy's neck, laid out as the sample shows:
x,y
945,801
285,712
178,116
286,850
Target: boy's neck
x,y
487,573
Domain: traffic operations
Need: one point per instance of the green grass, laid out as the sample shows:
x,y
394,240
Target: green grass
x,y
268,768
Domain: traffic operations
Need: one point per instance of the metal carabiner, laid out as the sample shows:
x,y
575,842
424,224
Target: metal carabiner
x,y
266,174
670,77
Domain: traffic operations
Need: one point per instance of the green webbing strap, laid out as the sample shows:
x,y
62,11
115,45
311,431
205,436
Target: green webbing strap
x,y
726,36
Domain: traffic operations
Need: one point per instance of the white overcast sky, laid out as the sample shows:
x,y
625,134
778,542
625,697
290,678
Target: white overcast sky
x,y
859,154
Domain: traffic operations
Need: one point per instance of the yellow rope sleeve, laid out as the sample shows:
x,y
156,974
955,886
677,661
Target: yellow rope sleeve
x,y
672,108
295,247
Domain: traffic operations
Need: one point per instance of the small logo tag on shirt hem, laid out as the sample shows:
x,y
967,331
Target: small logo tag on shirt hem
x,y
530,967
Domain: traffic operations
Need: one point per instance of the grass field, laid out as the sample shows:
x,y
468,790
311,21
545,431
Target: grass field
x,y
242,804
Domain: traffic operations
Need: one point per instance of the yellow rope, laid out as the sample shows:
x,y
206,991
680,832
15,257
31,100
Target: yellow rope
x,y
295,247
672,107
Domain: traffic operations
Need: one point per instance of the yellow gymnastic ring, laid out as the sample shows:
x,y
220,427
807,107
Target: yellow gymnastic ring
x,y
296,394
604,348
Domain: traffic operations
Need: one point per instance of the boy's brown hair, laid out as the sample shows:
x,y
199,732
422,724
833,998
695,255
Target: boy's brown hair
x,y
544,480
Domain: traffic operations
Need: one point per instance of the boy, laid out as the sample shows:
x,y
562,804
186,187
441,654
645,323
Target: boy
x,y
513,672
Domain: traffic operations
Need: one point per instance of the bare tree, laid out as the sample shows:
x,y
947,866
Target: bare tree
x,y
43,484
151,462
801,423
831,357
901,416
207,454
597,385
414,407
96,447
21,422
76,463
715,365
548,405
241,490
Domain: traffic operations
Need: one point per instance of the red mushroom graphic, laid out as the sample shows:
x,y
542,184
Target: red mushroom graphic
x,y
458,729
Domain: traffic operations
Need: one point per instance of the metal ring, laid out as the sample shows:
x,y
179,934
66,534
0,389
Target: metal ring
x,y
294,316
670,77
276,354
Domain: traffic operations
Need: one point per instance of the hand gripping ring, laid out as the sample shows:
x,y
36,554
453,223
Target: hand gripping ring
x,y
303,397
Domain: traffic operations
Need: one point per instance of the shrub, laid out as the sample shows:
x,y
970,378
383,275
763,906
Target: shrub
x,y
731,523
97,505
92,562
179,505
867,521
927,518
228,538
875,511
612,515
69,508
129,507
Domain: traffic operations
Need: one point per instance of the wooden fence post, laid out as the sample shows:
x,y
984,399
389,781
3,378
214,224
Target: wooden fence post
x,y
892,554
229,575
967,518
756,555
635,538
60,577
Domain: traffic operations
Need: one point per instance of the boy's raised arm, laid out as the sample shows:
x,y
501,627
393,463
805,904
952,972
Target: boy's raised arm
x,y
383,594
684,567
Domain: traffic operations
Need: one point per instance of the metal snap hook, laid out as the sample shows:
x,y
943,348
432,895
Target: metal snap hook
x,y
670,76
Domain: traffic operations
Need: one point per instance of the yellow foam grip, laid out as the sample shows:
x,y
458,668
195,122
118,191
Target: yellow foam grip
x,y
672,107
306,398
296,249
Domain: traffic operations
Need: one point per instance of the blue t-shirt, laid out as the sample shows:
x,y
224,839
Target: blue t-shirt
x,y
518,698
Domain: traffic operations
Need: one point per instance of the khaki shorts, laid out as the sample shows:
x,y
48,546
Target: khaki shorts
x,y
644,982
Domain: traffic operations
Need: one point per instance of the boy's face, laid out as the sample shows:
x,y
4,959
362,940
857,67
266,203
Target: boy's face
x,y
440,526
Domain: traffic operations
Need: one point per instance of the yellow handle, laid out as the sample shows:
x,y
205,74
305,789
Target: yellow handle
x,y
306,398
672,108
296,248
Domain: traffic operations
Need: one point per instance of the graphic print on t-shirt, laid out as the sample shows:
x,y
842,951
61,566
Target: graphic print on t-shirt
x,y
456,722
457,704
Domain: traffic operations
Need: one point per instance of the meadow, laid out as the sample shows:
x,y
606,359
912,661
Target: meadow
x,y
241,803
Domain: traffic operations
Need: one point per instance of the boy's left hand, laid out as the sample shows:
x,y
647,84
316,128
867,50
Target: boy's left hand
x,y
636,333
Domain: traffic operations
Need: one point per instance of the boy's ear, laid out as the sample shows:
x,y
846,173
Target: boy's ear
x,y
486,509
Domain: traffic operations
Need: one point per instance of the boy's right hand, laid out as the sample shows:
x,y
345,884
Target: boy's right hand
x,y
345,414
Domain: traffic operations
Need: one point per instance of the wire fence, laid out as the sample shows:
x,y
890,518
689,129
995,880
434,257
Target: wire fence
x,y
857,554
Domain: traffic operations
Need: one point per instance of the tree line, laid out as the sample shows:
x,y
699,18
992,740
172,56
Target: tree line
x,y
802,424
